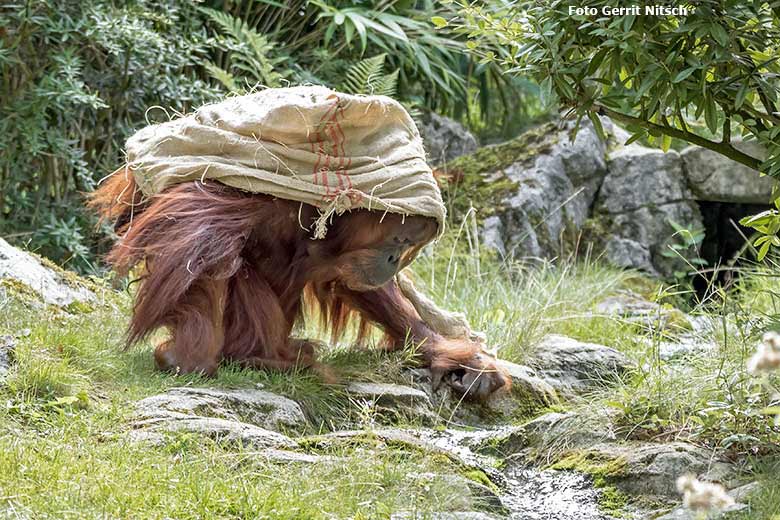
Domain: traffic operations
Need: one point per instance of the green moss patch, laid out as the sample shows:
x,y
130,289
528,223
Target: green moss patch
x,y
467,185
604,470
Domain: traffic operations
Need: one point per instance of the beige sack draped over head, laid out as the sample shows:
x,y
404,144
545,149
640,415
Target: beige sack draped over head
x,y
331,150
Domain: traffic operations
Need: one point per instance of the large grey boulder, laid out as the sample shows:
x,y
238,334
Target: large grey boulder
x,y
643,193
573,367
646,469
444,138
52,284
555,187
715,177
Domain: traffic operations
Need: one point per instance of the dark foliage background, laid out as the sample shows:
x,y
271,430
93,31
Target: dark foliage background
x,y
77,77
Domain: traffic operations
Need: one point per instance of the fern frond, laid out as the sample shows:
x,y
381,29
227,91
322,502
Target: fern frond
x,y
252,54
386,85
223,77
228,24
361,77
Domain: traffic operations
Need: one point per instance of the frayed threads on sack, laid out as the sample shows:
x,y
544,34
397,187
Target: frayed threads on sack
x,y
344,201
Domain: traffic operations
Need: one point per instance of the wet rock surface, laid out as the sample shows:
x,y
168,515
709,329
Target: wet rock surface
x,y
518,481
552,495
514,459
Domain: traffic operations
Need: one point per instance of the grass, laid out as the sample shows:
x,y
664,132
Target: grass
x,y
68,400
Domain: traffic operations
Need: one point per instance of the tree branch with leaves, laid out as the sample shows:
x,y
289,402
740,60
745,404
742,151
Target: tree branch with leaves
x,y
703,78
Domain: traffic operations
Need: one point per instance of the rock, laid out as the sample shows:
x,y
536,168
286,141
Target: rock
x,y
528,390
493,235
629,254
640,177
444,138
688,342
714,177
548,185
50,283
452,443
389,395
551,432
528,394
554,195
221,430
292,457
572,366
245,416
255,407
7,346
396,399
645,469
632,307
644,191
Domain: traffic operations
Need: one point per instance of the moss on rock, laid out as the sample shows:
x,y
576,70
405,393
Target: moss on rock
x,y
467,184
604,470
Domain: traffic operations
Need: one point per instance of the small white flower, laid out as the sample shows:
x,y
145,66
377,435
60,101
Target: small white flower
x,y
703,496
767,356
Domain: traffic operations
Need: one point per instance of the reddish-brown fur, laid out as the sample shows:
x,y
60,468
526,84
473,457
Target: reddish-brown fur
x,y
226,271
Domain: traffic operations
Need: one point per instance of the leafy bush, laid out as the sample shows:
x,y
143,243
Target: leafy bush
x,y
77,79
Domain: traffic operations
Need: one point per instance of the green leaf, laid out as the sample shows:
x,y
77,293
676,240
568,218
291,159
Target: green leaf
x,y
594,118
439,22
546,90
711,114
763,251
596,61
360,27
741,93
683,74
720,34
666,142
635,137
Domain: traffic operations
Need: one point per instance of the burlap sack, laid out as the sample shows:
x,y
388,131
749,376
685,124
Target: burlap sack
x,y
310,144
